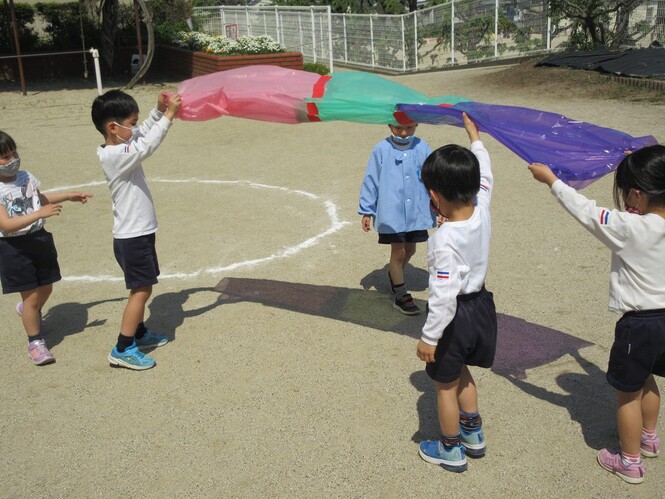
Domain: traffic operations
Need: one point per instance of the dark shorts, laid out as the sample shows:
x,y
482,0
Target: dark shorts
x,y
470,338
416,236
138,260
638,350
28,262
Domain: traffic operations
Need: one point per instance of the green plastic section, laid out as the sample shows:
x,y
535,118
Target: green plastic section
x,y
371,99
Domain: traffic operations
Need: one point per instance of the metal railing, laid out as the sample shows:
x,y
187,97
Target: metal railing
x,y
299,29
453,33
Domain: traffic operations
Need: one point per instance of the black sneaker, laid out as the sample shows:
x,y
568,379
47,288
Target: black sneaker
x,y
405,305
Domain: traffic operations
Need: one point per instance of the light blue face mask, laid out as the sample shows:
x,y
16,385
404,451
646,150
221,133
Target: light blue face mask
x,y
10,169
403,141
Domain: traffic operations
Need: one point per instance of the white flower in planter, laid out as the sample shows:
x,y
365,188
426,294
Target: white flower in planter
x,y
221,45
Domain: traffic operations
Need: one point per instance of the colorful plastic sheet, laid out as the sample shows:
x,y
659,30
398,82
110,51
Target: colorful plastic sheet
x,y
265,93
577,152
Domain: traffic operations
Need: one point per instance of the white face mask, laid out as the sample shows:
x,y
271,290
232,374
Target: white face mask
x,y
402,140
134,129
10,169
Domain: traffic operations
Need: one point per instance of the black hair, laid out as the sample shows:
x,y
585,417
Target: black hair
x,y
7,144
114,105
643,170
454,172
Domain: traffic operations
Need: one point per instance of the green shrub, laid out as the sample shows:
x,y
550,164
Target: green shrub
x,y
27,38
168,18
62,23
317,67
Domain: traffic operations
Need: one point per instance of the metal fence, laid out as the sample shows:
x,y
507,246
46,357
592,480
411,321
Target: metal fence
x,y
456,32
299,29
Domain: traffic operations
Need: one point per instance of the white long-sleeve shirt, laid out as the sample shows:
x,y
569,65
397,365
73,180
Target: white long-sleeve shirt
x,y
458,255
133,208
637,243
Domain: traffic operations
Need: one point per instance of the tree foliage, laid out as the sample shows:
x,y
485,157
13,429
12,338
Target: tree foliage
x,y
598,23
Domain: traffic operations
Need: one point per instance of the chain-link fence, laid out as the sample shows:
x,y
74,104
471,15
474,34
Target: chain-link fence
x,y
299,29
456,32
477,30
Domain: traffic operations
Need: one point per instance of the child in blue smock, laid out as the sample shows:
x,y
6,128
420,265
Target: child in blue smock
x,y
393,195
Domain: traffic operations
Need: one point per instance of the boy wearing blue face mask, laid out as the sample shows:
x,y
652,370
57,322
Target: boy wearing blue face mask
x,y
115,114
28,258
393,195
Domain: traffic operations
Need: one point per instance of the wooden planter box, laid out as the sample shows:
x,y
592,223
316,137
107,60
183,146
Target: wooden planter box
x,y
187,63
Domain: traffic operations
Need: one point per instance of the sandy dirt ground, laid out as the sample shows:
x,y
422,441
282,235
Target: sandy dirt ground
x,y
289,374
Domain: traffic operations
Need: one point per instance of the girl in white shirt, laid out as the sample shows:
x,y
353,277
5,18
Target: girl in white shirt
x,y
636,238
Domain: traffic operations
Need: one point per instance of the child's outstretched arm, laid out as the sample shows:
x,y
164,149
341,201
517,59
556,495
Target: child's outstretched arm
x,y
59,197
478,149
471,128
608,226
9,224
542,173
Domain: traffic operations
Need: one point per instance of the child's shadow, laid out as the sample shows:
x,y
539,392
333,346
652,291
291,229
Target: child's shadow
x,y
70,318
167,311
416,279
589,400
428,426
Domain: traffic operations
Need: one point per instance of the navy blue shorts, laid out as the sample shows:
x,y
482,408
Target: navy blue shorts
x,y
28,262
469,339
416,236
638,350
137,258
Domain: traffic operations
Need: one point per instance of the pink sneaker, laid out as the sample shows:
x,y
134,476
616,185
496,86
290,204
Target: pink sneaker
x,y
612,462
39,353
650,447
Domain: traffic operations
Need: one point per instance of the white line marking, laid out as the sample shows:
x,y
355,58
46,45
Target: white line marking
x,y
331,210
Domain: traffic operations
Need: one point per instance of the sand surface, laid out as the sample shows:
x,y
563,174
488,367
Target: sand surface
x,y
295,377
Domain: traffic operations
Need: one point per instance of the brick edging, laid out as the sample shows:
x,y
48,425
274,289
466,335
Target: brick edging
x,y
658,85
187,63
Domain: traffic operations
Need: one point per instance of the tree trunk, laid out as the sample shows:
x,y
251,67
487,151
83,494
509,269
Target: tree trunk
x,y
147,19
109,30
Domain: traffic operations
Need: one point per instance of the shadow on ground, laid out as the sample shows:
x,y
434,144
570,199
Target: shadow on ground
x,y
169,313
521,345
588,399
66,319
416,279
166,315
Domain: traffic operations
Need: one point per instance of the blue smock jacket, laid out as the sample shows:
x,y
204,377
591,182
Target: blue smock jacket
x,y
392,191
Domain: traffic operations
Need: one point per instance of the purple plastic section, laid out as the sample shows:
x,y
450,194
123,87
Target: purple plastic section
x,y
577,152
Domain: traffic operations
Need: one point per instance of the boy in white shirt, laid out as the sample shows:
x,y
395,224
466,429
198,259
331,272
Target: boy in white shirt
x,y
460,330
115,114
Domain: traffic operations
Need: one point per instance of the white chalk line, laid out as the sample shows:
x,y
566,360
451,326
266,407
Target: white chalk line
x,y
331,209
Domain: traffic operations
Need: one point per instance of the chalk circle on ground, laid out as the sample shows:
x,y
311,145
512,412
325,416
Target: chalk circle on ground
x,y
331,209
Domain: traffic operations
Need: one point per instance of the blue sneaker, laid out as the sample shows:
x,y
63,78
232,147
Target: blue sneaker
x,y
449,458
473,442
151,339
131,358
